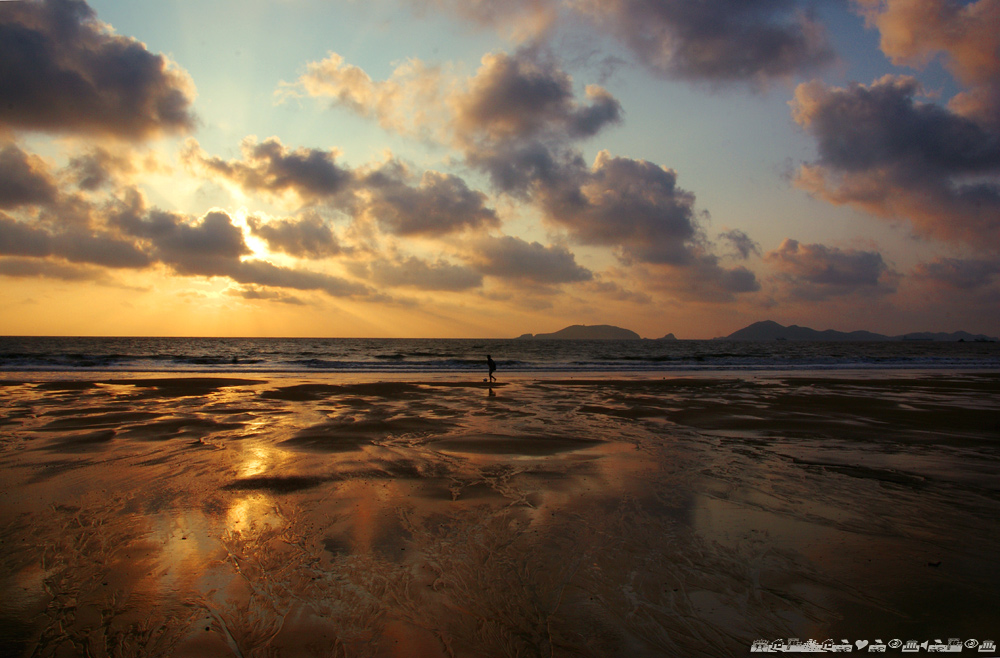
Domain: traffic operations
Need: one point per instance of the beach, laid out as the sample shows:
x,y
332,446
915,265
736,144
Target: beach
x,y
436,515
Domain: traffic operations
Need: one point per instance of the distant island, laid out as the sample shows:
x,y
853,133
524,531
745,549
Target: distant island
x,y
769,330
588,332
765,330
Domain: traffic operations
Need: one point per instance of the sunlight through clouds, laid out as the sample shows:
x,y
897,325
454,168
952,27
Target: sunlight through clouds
x,y
418,159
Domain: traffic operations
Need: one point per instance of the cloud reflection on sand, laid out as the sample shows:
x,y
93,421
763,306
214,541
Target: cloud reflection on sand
x,y
593,518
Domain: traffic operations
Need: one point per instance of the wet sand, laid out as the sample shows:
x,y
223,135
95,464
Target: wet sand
x,y
542,517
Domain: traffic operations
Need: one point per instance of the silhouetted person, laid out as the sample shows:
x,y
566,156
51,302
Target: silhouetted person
x,y
493,366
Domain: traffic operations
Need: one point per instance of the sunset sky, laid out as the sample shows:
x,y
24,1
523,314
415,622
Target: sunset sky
x,y
465,168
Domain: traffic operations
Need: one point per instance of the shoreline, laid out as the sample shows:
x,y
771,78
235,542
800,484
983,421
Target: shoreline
x,y
473,377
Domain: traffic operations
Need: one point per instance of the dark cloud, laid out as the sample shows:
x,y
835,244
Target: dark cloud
x,y
436,205
632,205
701,279
75,245
62,70
307,237
37,267
719,41
209,247
885,152
100,248
412,272
263,273
612,290
708,276
20,239
816,271
635,208
258,293
24,178
742,244
213,246
439,204
525,95
960,273
519,168
509,257
97,168
270,166
514,119
863,127
134,236
519,115
715,40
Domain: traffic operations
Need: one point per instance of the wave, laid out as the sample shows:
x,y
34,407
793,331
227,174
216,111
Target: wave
x,y
221,355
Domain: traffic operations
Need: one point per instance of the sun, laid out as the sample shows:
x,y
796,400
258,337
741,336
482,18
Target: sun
x,y
258,247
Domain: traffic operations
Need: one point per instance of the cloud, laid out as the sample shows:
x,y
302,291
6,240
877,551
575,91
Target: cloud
x,y
408,102
123,232
632,205
965,34
307,237
263,273
98,167
62,70
257,293
516,118
520,19
635,208
214,246
35,267
612,290
208,247
439,204
700,280
74,244
817,272
521,96
512,258
20,239
412,272
24,178
742,244
960,274
526,95
272,167
883,151
719,41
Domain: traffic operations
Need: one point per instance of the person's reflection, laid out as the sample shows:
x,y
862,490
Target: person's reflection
x,y
492,393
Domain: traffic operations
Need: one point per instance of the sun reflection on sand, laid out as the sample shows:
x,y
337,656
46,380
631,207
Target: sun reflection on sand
x,y
428,523
256,460
256,509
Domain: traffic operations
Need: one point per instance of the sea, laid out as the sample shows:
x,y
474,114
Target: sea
x,y
435,355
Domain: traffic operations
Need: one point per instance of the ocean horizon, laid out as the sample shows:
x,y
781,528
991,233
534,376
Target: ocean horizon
x,y
207,355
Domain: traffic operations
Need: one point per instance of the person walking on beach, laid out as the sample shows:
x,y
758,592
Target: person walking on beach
x,y
492,366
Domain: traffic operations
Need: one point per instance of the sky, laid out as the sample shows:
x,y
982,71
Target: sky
x,y
466,168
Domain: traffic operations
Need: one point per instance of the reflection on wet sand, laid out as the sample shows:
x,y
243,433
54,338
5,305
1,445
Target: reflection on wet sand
x,y
215,517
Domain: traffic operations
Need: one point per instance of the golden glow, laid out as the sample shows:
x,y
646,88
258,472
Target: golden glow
x,y
254,510
256,245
